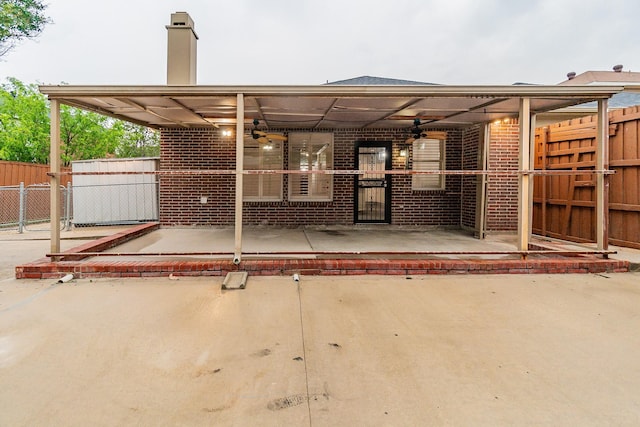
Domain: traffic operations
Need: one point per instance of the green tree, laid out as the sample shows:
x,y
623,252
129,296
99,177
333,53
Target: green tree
x,y
20,19
87,135
138,141
25,125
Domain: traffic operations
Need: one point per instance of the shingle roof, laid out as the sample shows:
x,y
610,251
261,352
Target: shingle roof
x,y
619,100
371,80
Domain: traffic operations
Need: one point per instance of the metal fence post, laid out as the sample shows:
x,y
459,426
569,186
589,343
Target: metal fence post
x,y
21,209
67,214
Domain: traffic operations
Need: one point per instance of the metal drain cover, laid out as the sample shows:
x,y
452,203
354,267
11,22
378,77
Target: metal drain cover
x,y
235,280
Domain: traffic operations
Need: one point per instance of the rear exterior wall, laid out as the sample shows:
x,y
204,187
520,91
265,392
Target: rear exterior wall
x,y
205,149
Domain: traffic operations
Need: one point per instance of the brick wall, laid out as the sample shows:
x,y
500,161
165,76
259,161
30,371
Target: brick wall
x,y
502,191
470,139
194,149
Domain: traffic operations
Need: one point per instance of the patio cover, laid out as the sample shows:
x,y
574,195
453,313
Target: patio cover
x,y
323,106
329,107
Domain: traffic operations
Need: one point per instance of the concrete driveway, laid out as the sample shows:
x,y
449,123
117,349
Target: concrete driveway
x,y
353,351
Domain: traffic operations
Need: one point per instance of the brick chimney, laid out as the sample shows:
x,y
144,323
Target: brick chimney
x,y
181,50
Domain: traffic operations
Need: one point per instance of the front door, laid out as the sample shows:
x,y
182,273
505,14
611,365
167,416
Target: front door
x,y
373,190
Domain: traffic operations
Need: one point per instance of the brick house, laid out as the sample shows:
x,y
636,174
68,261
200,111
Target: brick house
x,y
357,151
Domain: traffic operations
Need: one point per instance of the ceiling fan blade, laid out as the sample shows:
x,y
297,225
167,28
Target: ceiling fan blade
x,y
276,137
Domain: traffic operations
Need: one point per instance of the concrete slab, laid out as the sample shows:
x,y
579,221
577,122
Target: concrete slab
x,y
360,350
309,239
235,280
145,251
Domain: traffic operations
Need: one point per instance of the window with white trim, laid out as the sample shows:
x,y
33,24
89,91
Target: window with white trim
x,y
262,156
310,152
428,155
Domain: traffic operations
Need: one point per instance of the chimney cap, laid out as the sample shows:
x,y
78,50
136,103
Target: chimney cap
x,y
182,20
617,68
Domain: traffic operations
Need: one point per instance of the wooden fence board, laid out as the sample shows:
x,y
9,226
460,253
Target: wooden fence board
x,y
13,173
564,206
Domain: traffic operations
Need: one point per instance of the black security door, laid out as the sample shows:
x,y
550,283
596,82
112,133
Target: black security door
x,y
373,190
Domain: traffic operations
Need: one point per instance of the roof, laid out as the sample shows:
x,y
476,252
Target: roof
x,y
322,106
603,78
617,101
631,81
370,80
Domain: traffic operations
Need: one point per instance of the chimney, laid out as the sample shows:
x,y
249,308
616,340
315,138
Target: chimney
x,y
571,75
181,50
617,68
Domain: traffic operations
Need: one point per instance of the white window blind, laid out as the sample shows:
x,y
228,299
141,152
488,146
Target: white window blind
x,y
262,156
428,155
310,152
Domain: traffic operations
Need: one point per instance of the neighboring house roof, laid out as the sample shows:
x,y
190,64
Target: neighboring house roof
x,y
603,78
619,100
371,80
631,80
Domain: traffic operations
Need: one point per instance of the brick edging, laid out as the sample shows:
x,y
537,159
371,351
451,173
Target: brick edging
x,y
90,269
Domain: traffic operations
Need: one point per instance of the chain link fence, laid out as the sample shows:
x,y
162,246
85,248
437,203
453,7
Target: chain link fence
x,y
27,208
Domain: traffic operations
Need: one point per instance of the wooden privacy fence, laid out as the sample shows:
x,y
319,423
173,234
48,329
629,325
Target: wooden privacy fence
x,y
564,206
13,173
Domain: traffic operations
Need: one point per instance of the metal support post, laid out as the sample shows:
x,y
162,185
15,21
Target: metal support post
x,y
21,209
523,179
237,257
54,168
67,210
602,180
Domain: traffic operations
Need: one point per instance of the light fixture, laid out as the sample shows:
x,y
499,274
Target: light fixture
x,y
403,151
227,133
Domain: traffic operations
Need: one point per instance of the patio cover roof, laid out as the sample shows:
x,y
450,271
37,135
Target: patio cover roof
x,y
322,106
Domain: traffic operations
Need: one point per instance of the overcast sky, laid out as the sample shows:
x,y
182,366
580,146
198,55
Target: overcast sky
x,y
311,42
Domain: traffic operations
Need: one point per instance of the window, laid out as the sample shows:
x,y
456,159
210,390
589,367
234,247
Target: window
x,y
310,152
428,155
257,156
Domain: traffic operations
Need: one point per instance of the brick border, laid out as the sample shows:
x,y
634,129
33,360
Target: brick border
x,y
46,269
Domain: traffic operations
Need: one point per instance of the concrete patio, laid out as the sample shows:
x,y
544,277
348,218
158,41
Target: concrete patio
x,y
147,250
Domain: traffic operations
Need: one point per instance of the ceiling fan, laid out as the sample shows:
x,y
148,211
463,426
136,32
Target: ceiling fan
x,y
264,137
416,132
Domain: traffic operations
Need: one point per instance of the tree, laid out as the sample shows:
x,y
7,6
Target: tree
x,y
25,125
20,19
138,141
87,135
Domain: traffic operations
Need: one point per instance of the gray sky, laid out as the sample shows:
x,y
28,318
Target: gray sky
x,y
311,42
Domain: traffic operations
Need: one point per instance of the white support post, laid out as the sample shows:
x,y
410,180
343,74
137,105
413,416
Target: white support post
x,y
524,179
602,181
532,166
54,181
237,257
